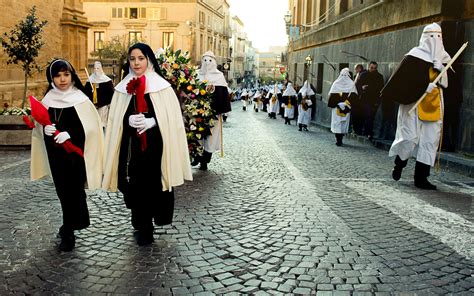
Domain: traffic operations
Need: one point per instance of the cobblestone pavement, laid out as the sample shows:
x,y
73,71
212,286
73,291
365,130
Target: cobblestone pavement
x,y
283,212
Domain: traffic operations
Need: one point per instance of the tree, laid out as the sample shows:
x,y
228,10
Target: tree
x,y
22,45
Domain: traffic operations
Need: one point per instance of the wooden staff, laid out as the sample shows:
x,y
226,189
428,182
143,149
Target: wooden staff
x,y
222,139
440,75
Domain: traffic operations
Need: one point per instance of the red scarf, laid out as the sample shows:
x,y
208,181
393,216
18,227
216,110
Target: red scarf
x,y
136,87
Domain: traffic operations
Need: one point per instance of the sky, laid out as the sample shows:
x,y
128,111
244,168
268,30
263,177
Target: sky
x,y
263,21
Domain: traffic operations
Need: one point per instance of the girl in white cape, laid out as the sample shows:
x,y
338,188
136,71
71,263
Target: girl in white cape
x,y
74,119
145,143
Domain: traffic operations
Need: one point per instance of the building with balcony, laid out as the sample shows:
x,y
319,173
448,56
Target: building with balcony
x,y
342,33
191,25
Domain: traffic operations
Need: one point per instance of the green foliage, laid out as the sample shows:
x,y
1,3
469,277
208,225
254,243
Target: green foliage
x,y
23,43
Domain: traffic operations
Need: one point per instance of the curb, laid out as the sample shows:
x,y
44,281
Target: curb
x,y
449,161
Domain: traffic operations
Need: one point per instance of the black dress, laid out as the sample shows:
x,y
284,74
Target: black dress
x,y
105,91
68,169
139,174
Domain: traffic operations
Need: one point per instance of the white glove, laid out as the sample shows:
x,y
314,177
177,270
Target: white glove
x,y
136,121
149,123
430,87
62,137
49,130
438,65
342,105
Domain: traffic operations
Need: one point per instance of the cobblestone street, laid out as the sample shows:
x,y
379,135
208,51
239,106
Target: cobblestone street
x,y
283,212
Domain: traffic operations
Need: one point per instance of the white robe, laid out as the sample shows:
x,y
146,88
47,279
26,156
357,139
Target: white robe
x,y
212,143
93,146
274,107
339,124
175,164
304,117
416,138
289,112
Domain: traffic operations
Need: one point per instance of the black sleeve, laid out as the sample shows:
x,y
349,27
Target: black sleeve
x,y
409,81
105,93
221,101
334,99
89,91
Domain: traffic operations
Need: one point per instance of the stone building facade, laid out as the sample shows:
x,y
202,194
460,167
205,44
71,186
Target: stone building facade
x,y
191,25
65,36
335,33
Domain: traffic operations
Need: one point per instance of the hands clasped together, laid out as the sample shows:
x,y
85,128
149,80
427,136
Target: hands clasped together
x,y
141,123
60,138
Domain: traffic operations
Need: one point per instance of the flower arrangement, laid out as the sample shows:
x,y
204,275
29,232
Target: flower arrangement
x,y
198,115
7,110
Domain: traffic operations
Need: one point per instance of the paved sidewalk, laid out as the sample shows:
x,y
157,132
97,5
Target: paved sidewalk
x,y
283,212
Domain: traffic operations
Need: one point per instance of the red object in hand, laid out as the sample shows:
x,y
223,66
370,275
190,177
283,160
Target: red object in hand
x,y
41,115
30,124
136,87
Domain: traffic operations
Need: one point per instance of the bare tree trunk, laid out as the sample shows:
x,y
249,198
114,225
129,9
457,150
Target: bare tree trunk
x,y
24,91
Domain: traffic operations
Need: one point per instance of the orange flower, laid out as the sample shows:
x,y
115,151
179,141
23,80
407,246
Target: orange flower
x,y
201,111
190,88
175,66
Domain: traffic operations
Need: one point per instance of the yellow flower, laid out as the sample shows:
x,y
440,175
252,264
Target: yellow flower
x,y
203,92
201,129
201,111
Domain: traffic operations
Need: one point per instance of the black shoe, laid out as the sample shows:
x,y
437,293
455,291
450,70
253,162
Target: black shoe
x,y
338,143
143,237
424,184
195,162
68,242
397,173
305,129
300,129
203,166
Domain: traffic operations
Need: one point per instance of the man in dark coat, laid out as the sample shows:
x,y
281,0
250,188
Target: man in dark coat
x,y
370,83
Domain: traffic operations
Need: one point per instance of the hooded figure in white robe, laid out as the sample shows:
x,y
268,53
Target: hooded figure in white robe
x,y
258,101
289,102
244,98
418,133
102,90
342,92
146,151
220,104
274,105
75,120
304,107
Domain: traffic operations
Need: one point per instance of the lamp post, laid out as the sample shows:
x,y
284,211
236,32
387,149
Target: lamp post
x,y
100,47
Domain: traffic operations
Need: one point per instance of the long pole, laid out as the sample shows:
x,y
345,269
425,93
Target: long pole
x,y
440,75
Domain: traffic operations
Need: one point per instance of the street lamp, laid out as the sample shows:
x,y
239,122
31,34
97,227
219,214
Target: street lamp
x,y
100,46
309,60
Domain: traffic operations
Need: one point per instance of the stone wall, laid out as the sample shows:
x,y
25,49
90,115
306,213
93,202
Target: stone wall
x,y
386,41
64,36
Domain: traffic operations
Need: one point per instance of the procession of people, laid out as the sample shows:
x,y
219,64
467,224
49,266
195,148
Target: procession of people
x,y
131,137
